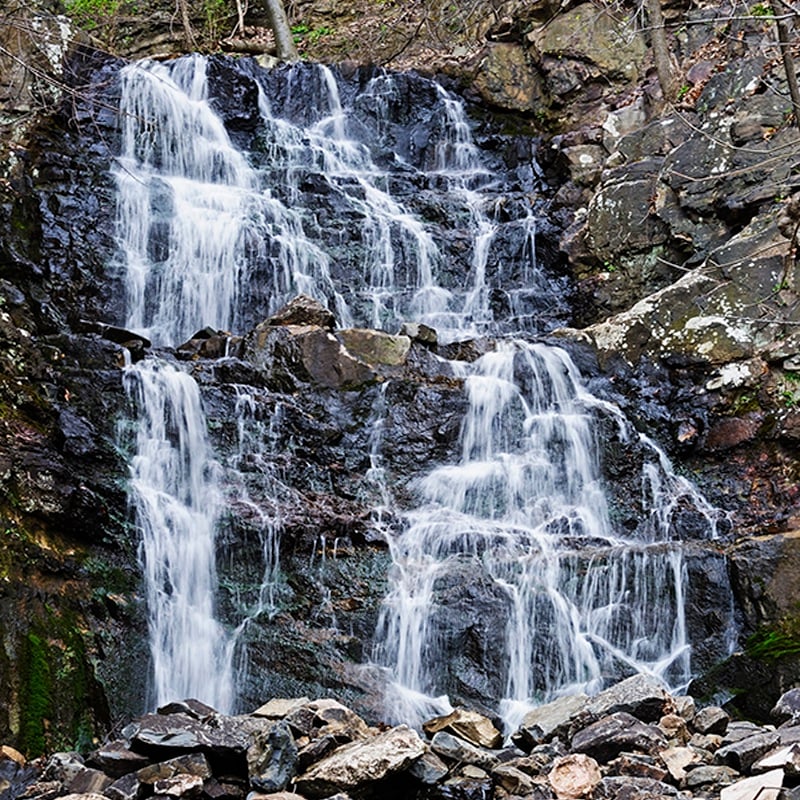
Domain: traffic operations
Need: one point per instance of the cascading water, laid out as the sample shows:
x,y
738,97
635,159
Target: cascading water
x,y
174,494
210,234
524,512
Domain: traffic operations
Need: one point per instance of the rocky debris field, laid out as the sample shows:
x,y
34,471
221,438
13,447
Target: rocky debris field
x,y
633,741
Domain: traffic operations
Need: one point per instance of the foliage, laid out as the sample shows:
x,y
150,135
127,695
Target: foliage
x,y
215,13
91,14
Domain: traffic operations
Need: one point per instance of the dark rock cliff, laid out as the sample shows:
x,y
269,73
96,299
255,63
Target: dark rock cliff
x,y
678,233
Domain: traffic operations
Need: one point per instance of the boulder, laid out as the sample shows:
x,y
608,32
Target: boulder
x,y
513,780
159,735
272,758
639,695
592,36
375,348
191,764
548,721
507,78
429,769
278,707
574,776
759,787
117,759
179,786
711,719
676,759
743,754
787,709
362,763
709,775
303,310
128,787
787,757
468,725
292,354
89,781
609,736
333,718
451,748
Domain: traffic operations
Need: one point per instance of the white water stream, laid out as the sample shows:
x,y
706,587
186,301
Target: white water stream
x,y
208,233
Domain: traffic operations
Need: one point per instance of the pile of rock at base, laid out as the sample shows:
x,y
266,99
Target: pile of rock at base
x,y
631,742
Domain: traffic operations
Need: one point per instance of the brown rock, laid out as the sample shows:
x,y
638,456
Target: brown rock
x,y
469,725
506,78
304,310
361,763
573,776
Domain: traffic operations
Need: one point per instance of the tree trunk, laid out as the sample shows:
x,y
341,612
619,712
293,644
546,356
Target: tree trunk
x,y
658,34
784,39
284,43
188,34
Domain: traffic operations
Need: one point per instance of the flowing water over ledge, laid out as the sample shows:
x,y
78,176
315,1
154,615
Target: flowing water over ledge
x,y
387,213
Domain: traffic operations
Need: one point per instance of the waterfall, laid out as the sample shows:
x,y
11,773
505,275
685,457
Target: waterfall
x,y
176,502
524,511
332,190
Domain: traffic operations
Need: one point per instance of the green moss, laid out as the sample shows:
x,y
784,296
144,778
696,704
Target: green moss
x,y
773,643
36,696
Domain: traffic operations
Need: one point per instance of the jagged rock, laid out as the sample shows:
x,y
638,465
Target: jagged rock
x,y
279,707
743,754
709,775
574,775
513,780
674,728
787,709
272,758
429,769
157,734
315,750
639,695
451,748
333,718
128,787
706,741
63,767
375,348
117,759
292,353
788,758
609,736
506,78
194,708
179,786
303,310
88,781
545,722
711,719
595,37
362,763
636,765
629,788
419,332
191,764
759,787
676,759
468,725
